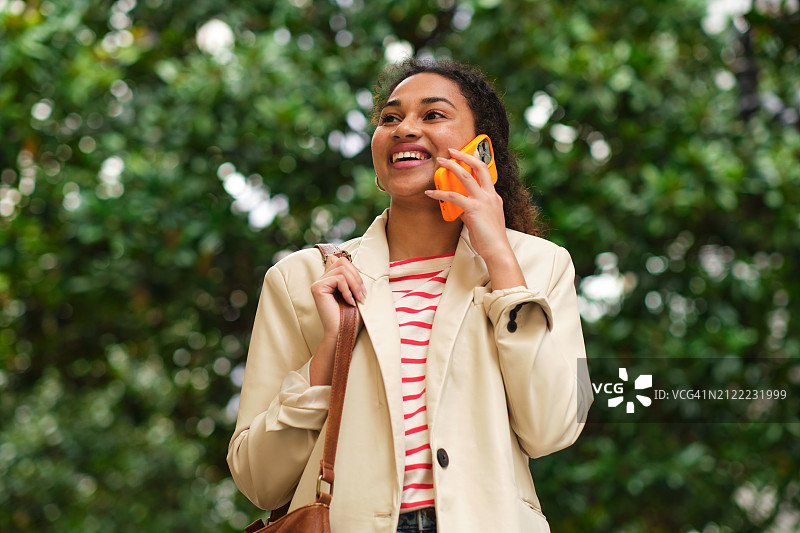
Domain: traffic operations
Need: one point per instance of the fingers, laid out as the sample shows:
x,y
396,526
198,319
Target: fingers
x,y
483,205
484,178
462,174
448,196
341,275
328,285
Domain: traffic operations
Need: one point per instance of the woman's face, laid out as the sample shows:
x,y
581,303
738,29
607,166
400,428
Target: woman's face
x,y
424,116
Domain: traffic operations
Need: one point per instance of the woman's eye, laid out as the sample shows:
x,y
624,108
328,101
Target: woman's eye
x,y
432,115
387,119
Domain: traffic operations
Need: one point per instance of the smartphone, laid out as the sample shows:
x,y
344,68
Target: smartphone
x,y
447,181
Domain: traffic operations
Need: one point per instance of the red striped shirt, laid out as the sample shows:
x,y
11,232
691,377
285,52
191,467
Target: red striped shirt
x,y
416,429
413,396
421,294
419,449
418,411
418,486
422,466
416,323
417,504
424,275
419,259
411,310
412,342
416,285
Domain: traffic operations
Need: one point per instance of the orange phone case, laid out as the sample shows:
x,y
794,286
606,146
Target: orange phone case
x,y
447,181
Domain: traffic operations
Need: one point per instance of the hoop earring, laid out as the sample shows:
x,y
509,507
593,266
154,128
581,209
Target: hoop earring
x,y
378,184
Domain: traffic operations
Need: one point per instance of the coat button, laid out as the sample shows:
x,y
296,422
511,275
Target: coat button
x,y
441,456
512,317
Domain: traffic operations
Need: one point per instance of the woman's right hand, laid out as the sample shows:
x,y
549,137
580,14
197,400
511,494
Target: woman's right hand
x,y
340,275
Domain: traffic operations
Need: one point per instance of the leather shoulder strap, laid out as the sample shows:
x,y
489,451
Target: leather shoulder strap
x,y
327,249
348,330
349,325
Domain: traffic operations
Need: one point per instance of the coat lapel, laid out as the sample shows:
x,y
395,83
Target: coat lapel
x,y
468,271
371,258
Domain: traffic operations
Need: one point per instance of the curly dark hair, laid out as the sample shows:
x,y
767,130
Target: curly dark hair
x,y
490,119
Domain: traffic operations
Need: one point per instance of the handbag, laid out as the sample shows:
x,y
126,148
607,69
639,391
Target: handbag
x,y
315,517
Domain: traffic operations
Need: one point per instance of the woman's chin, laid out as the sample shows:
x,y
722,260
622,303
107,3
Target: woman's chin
x,y
411,186
417,201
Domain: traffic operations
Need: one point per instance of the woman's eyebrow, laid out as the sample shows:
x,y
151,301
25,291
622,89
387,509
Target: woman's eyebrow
x,y
424,101
435,99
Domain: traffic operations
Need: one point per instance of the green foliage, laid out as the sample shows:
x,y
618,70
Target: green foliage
x,y
151,173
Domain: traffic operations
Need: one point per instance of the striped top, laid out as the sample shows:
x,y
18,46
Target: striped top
x,y
416,286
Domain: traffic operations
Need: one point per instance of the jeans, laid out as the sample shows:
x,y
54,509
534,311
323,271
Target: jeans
x,y
420,521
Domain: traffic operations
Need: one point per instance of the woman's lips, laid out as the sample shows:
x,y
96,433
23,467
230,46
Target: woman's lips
x,y
410,163
408,155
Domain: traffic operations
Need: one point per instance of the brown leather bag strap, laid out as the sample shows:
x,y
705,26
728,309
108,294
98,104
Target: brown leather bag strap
x,y
349,325
348,330
327,249
274,516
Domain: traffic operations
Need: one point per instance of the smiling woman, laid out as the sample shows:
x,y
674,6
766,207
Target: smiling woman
x,y
490,118
468,362
426,116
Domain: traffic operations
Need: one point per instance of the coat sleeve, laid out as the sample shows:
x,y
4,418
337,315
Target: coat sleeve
x,y
280,414
542,358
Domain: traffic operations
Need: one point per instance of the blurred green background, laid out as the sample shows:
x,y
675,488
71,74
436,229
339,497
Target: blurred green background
x,y
158,156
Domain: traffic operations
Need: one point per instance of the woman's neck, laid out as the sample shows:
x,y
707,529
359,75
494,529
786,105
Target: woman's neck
x,y
415,232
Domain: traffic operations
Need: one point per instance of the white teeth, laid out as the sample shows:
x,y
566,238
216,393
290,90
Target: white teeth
x,y
409,155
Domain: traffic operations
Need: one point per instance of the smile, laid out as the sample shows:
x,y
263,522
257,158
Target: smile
x,y
409,156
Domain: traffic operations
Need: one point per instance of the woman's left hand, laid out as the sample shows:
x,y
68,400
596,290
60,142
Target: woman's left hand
x,y
484,217
483,208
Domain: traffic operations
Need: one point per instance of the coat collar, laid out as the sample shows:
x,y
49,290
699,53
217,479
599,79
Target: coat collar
x,y
371,258
372,255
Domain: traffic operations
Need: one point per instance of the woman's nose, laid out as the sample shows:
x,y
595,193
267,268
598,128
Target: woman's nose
x,y
405,129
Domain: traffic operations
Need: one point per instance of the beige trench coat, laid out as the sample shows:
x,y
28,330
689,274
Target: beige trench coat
x,y
496,394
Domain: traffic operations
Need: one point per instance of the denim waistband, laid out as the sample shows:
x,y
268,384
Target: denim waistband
x,y
421,519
